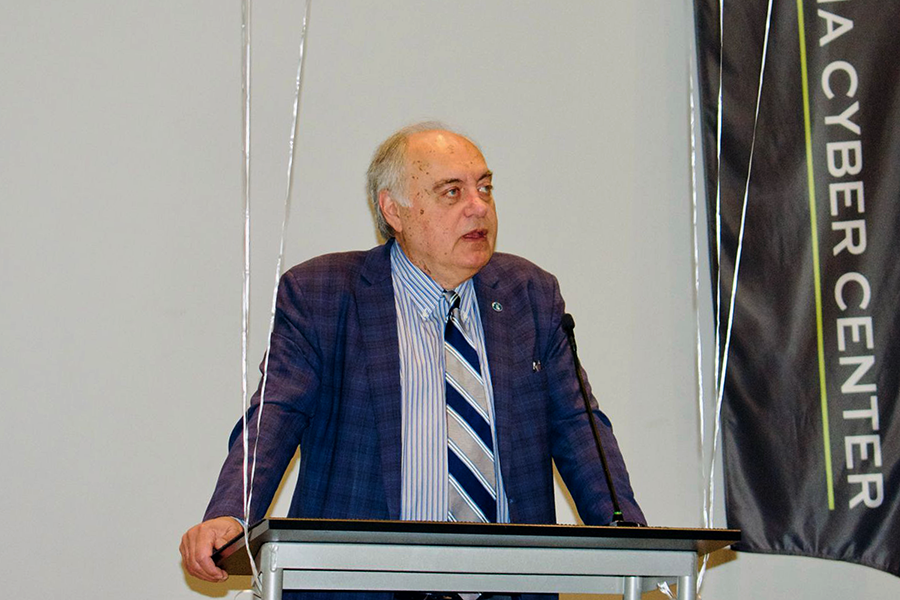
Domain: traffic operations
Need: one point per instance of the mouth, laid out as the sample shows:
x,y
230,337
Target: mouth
x,y
476,235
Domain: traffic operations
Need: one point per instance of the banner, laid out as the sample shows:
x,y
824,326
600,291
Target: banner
x,y
809,193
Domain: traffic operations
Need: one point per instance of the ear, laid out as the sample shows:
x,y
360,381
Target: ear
x,y
390,208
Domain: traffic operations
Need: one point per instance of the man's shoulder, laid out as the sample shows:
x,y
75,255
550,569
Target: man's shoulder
x,y
513,267
504,259
339,267
511,278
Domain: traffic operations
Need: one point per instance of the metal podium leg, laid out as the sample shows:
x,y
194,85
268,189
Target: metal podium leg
x,y
271,574
687,587
632,588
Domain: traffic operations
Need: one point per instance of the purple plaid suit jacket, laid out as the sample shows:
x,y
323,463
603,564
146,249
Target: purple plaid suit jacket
x,y
334,389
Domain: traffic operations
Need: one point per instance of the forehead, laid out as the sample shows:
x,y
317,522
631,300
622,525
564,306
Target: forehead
x,y
435,154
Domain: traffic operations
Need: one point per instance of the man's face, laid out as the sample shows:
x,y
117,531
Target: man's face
x,y
450,226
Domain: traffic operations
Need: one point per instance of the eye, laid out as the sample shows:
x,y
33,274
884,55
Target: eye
x,y
452,193
486,189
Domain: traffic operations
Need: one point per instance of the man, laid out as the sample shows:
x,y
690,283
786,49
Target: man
x,y
366,370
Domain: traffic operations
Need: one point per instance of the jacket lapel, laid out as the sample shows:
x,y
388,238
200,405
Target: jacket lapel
x,y
503,315
378,325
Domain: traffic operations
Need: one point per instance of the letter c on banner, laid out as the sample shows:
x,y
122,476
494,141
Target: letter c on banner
x,y
857,278
840,65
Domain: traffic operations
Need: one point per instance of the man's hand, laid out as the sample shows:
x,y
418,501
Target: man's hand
x,y
198,544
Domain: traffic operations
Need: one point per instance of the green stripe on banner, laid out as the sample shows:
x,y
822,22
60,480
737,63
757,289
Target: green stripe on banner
x,y
817,276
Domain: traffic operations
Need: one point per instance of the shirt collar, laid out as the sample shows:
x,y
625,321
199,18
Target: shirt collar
x,y
427,295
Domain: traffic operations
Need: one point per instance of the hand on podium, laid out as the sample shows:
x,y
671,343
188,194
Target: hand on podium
x,y
199,543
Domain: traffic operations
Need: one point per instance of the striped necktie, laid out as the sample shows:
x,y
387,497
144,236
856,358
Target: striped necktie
x,y
470,451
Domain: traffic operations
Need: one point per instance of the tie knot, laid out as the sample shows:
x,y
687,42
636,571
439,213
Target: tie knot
x,y
452,299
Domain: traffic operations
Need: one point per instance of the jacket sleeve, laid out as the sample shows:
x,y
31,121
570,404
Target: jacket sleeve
x,y
280,411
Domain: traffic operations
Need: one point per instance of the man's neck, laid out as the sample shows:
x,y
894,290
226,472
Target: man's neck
x,y
445,282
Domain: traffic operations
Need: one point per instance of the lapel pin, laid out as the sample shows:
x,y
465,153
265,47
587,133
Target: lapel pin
x,y
497,306
536,366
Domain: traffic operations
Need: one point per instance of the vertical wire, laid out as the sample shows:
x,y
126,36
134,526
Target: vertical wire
x,y
246,10
707,514
740,246
698,353
245,195
695,257
708,491
245,90
720,382
298,83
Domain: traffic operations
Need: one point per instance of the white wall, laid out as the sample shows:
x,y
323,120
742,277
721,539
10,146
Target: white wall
x,y
120,236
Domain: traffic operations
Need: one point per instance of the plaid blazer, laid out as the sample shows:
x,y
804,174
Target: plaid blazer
x,y
334,388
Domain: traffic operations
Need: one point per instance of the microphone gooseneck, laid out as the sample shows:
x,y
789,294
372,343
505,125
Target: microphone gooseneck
x,y
568,325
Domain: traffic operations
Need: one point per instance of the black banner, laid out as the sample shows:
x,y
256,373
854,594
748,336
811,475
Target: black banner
x,y
811,437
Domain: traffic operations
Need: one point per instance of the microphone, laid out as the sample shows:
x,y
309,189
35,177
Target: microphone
x,y
568,325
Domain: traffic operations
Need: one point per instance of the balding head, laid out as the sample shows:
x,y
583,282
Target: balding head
x,y
441,208
387,170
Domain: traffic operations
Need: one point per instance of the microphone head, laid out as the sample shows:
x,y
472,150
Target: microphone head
x,y
568,323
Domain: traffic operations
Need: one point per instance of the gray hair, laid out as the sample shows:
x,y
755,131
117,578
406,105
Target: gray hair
x,y
388,168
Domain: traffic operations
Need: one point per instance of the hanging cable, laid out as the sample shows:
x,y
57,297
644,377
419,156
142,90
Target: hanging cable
x,y
249,465
709,498
246,10
695,263
298,82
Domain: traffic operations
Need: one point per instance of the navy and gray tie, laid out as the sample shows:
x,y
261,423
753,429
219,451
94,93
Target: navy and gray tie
x,y
470,452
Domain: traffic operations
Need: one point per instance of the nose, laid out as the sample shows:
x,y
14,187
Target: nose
x,y
476,204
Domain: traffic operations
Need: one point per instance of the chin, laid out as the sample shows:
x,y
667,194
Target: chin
x,y
476,257
481,260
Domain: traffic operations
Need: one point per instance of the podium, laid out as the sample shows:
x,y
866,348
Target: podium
x,y
325,554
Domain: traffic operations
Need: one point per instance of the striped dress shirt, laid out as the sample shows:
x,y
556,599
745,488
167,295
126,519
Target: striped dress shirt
x,y
421,315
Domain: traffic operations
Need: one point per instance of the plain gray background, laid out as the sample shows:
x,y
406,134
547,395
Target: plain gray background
x,y
121,245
